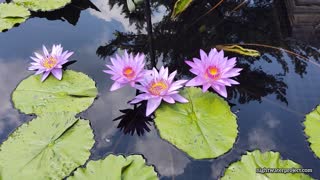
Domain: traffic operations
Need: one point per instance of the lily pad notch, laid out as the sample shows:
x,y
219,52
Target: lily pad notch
x,y
312,126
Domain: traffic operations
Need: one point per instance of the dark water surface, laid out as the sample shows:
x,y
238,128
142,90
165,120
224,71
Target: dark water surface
x,y
276,91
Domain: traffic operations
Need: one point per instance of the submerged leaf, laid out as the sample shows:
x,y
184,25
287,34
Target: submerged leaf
x,y
48,147
41,5
116,167
74,93
312,124
246,168
239,50
180,6
11,14
203,128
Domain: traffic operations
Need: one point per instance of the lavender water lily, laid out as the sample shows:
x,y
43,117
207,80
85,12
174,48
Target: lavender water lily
x,y
213,70
50,62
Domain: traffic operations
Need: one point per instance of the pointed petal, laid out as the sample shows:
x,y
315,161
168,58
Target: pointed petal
x,y
57,73
194,82
152,105
169,99
45,51
116,86
179,98
45,75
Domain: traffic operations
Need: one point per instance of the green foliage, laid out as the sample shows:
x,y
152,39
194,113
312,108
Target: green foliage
x,y
180,6
49,147
11,14
115,168
203,128
41,5
75,93
312,124
246,167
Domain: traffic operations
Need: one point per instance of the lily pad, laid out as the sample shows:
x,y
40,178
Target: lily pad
x,y
246,167
74,93
180,6
312,124
41,5
203,128
116,167
11,14
49,147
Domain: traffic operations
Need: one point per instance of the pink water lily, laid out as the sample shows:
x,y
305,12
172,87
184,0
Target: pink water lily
x,y
213,70
158,86
127,69
50,62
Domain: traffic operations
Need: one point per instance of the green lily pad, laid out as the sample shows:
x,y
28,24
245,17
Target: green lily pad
x,y
246,167
11,14
74,93
312,124
180,6
41,5
116,167
203,128
49,147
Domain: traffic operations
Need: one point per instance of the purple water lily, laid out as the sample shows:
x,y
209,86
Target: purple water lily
x,y
50,62
213,70
158,86
128,69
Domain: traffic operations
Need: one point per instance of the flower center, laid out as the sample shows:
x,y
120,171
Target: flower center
x,y
128,72
49,62
213,72
156,88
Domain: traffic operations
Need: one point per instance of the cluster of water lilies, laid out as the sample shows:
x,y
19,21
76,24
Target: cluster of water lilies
x,y
211,70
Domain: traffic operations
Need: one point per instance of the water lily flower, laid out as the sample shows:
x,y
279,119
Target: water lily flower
x,y
50,62
213,70
128,69
158,86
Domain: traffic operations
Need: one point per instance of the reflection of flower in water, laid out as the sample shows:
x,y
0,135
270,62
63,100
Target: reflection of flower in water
x,y
134,120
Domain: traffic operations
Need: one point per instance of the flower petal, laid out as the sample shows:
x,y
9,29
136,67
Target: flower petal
x,y
45,75
152,105
179,98
116,86
57,73
169,99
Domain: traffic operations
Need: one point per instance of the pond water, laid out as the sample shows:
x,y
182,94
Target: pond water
x,y
276,90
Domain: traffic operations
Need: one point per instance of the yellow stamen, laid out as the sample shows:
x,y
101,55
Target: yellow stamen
x,y
156,88
213,73
49,62
128,72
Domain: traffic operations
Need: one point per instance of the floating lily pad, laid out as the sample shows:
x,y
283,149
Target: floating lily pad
x,y
11,14
41,5
203,128
49,147
180,6
116,167
312,124
74,93
246,167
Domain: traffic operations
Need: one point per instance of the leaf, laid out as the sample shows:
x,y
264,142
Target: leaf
x,y
239,50
116,167
203,128
179,7
11,14
312,124
49,147
246,167
41,5
74,93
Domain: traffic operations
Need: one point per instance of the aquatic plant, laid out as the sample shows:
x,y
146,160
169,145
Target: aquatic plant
x,y
213,70
158,86
127,69
50,62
